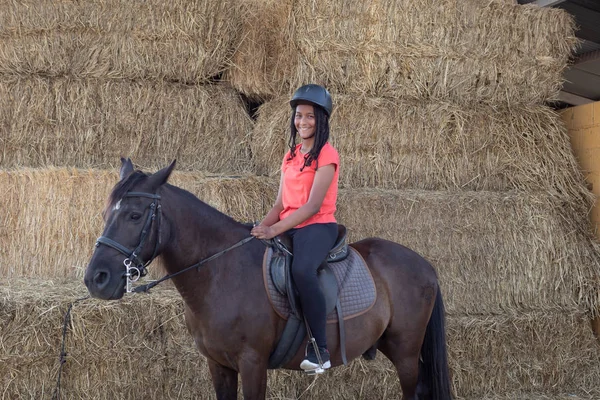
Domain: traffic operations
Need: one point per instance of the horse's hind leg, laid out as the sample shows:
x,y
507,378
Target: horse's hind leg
x,y
225,381
404,354
370,353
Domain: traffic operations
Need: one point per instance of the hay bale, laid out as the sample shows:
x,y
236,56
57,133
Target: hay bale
x,y
527,395
493,251
55,215
135,347
182,41
435,146
465,52
259,65
537,351
53,222
91,123
129,349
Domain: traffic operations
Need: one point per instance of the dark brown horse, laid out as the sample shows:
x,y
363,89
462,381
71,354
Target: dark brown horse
x,y
227,310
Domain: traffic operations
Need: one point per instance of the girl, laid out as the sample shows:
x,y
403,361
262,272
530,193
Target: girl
x,y
305,207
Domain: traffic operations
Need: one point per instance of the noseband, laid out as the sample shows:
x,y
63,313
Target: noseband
x,y
135,267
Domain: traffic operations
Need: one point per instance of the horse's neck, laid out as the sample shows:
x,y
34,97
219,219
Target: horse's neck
x,y
198,231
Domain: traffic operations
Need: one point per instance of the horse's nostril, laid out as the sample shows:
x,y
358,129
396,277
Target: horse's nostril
x,y
100,278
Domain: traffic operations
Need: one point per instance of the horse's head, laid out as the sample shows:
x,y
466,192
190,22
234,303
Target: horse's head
x,y
132,232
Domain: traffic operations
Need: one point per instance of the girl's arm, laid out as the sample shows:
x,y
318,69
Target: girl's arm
x,y
273,215
323,178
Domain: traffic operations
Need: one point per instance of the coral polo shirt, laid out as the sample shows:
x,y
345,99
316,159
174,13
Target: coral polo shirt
x,y
298,184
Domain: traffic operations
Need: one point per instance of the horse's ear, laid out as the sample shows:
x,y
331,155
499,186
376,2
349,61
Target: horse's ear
x,y
159,178
126,168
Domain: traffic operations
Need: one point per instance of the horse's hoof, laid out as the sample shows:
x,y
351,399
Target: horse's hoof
x,y
371,353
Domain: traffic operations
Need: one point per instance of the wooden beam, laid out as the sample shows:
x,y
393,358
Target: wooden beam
x,y
547,3
586,20
573,99
585,57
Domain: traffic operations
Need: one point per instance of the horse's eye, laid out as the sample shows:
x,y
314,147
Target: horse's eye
x,y
135,216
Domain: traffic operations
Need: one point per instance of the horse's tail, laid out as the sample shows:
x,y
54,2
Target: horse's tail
x,y
434,377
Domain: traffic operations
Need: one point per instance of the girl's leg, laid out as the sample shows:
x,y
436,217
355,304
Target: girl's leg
x,y
311,244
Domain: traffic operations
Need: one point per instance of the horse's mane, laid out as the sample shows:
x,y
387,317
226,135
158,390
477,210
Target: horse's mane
x,y
122,187
207,209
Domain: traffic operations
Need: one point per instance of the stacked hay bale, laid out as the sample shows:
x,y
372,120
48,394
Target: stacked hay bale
x,y
83,83
60,121
446,147
55,214
465,52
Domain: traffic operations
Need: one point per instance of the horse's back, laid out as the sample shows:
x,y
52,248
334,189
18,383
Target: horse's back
x,y
395,263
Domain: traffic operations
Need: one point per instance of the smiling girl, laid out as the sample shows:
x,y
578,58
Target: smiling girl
x,y
305,207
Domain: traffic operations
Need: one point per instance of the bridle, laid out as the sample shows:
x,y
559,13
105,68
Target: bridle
x,y
135,272
135,267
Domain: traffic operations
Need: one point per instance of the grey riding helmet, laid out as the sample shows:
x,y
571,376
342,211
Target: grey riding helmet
x,y
314,94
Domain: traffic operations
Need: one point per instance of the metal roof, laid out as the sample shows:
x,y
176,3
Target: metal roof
x,y
582,78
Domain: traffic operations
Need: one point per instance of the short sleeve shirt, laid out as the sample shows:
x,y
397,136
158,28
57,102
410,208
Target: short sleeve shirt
x,y
298,184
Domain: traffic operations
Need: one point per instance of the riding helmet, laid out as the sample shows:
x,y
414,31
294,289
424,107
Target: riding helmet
x,y
314,94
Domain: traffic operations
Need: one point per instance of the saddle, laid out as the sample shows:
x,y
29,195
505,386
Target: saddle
x,y
280,269
344,280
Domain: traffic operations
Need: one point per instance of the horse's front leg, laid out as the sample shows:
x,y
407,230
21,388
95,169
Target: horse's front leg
x,y
225,381
253,370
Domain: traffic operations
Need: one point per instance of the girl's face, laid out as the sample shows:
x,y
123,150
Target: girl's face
x,y
305,121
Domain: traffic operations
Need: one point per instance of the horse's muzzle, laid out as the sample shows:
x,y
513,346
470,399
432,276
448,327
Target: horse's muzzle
x,y
103,284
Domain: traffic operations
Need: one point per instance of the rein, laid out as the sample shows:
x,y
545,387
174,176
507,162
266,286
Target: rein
x,y
145,288
132,274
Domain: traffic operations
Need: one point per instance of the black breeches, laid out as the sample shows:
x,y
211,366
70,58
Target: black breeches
x,y
311,244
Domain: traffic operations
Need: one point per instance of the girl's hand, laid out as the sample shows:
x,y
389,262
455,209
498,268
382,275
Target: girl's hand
x,y
262,232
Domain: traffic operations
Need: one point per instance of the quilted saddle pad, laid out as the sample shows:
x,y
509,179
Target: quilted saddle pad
x,y
357,291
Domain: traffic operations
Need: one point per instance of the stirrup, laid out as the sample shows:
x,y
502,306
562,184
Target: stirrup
x,y
319,370
312,372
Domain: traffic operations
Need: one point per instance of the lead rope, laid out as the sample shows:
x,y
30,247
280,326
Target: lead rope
x,y
63,354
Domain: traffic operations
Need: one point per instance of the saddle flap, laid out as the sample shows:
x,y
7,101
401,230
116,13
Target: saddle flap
x,y
329,287
339,251
279,271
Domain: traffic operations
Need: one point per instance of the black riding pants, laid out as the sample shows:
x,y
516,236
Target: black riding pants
x,y
311,245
